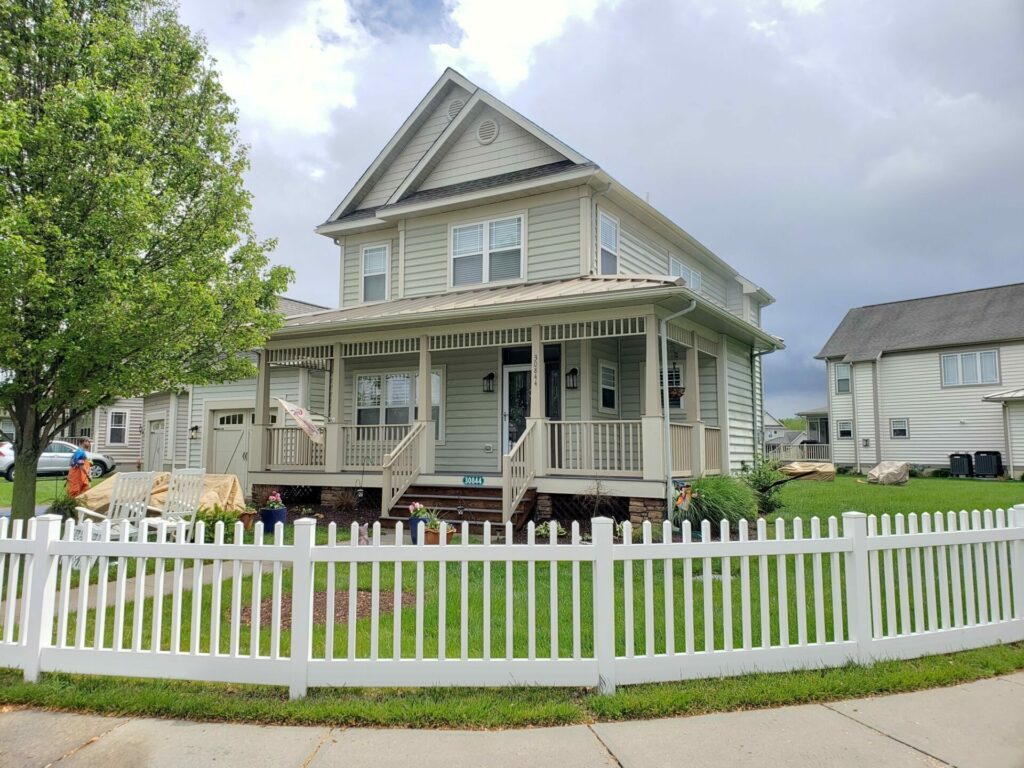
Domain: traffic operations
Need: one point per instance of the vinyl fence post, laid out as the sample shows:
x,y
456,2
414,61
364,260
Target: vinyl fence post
x,y
1017,562
302,607
858,592
602,532
40,593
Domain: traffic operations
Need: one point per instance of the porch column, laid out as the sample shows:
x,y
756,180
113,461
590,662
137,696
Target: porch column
x,y
425,407
693,408
333,448
258,441
722,371
652,421
537,417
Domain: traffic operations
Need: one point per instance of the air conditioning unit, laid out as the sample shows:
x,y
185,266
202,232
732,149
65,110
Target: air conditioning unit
x,y
961,465
988,464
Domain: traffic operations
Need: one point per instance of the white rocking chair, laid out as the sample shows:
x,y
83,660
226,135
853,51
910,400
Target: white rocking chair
x,y
184,491
129,501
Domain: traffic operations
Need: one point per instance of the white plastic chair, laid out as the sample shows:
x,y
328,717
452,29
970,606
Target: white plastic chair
x,y
184,491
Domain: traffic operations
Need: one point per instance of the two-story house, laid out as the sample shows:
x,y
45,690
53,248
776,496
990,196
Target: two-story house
x,y
918,380
567,335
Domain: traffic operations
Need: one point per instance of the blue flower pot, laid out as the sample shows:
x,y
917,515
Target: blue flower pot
x,y
270,517
414,524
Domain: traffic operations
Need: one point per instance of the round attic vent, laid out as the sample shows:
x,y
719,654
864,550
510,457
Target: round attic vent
x,y
487,131
454,107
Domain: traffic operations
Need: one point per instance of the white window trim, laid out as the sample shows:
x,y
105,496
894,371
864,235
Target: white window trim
x,y
603,214
110,419
521,215
848,377
412,374
892,429
362,271
600,387
839,429
673,262
960,368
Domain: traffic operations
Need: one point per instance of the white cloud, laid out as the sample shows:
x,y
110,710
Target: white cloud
x,y
803,6
498,39
293,79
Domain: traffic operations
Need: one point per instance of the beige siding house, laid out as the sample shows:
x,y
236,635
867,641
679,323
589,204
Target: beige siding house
x,y
566,334
921,379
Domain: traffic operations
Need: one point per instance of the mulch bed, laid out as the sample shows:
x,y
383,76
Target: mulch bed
x,y
363,607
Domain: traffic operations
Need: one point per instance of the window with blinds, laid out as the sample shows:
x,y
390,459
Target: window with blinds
x,y
965,369
391,398
609,234
487,252
691,276
375,273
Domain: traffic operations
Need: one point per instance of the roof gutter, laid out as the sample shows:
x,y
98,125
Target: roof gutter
x,y
666,443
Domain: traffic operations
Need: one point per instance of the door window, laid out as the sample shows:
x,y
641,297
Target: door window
x,y
517,403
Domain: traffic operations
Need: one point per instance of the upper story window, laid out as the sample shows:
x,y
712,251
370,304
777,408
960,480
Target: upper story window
x,y
375,272
117,428
609,233
842,378
963,369
691,276
487,251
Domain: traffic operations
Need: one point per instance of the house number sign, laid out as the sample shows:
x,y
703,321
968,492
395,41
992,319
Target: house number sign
x,y
472,480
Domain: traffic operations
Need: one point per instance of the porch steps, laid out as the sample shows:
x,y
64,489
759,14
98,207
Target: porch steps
x,y
479,505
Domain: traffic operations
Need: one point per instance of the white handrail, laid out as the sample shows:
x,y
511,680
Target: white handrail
x,y
401,468
518,470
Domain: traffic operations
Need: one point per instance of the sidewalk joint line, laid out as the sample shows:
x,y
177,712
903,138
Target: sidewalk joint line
x,y
89,742
316,749
1010,680
887,735
607,749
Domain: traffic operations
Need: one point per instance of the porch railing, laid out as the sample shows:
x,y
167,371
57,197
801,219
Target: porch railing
x,y
366,445
810,452
291,447
402,467
712,450
681,441
518,469
594,447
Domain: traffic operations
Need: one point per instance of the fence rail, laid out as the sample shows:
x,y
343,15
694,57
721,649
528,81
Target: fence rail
x,y
594,447
604,611
808,452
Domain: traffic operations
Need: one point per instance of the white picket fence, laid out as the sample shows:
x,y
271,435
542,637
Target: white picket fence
x,y
586,613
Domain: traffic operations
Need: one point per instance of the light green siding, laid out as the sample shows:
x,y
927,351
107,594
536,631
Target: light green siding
x,y
708,377
472,416
742,426
553,240
353,264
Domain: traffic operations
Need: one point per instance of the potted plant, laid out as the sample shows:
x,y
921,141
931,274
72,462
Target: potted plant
x,y
432,532
273,511
248,517
417,514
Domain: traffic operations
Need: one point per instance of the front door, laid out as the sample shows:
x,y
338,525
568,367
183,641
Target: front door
x,y
155,446
231,445
516,405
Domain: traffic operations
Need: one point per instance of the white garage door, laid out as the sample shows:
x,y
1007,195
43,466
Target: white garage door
x,y
231,444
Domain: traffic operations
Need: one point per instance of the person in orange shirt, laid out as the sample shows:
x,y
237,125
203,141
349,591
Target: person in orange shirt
x,y
78,475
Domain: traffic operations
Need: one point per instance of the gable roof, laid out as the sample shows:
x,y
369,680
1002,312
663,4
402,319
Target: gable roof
x,y
292,307
952,319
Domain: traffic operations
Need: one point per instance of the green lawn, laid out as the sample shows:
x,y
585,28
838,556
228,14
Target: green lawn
x,y
47,488
519,707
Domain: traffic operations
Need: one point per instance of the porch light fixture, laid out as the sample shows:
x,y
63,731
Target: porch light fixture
x,y
489,382
193,432
572,378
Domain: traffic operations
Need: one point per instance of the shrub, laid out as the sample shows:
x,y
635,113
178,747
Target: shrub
x,y
63,505
843,470
210,516
718,498
940,472
765,479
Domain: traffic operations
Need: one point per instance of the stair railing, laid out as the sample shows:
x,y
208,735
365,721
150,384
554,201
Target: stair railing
x,y
402,467
518,469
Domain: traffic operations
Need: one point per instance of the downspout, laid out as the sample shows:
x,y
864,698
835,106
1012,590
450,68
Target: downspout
x,y
754,399
666,443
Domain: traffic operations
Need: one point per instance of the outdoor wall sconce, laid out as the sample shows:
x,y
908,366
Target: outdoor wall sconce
x,y
489,382
572,378
193,432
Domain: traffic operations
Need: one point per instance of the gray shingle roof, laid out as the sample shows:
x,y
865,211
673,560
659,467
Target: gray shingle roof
x,y
489,182
292,307
970,317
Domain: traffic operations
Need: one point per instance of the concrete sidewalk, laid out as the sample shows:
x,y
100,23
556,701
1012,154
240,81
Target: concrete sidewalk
x,y
979,725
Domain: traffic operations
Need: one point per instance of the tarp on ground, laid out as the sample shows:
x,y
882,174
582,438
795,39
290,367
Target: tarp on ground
x,y
890,473
222,490
810,470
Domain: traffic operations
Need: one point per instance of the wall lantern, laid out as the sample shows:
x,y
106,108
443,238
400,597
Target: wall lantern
x,y
489,382
572,378
193,432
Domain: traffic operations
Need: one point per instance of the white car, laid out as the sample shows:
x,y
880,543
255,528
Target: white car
x,y
55,460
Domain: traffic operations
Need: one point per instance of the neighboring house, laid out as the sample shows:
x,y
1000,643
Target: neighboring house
x,y
788,437
494,271
208,426
918,380
773,428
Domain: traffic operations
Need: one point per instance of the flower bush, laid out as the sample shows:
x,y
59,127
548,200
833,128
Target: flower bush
x,y
274,501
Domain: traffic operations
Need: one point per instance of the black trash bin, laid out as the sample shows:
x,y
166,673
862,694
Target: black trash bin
x,y
988,464
961,465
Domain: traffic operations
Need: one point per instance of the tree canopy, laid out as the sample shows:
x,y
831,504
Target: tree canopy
x,y
127,257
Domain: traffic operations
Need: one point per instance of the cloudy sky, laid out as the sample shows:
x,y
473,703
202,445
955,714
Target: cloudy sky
x,y
838,153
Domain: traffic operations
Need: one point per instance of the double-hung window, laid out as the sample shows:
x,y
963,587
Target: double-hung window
x,y
608,387
842,378
963,369
691,276
609,234
899,429
391,398
117,428
375,272
487,251
844,429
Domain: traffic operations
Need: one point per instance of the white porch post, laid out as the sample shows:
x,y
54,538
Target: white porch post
x,y
333,449
722,371
693,409
258,441
653,427
425,407
537,416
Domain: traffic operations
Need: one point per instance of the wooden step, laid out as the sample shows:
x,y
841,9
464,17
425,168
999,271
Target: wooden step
x,y
478,504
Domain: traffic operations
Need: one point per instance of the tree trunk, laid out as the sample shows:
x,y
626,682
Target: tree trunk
x,y
26,462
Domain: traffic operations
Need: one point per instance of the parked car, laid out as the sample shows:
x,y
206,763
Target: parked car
x,y
55,460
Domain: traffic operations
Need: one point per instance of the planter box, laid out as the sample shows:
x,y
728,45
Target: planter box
x,y
271,517
434,537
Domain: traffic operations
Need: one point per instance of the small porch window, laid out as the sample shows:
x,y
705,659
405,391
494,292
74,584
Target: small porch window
x,y
608,380
391,398
609,227
375,272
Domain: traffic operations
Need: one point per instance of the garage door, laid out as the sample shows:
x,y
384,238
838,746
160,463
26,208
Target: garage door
x,y
231,444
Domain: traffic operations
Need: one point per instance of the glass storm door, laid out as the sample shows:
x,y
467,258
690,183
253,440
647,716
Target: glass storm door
x,y
517,404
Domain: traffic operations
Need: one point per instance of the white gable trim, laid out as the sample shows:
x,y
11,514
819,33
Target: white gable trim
x,y
477,101
392,148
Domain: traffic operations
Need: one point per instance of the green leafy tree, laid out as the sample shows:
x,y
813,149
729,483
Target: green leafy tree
x,y
128,263
797,423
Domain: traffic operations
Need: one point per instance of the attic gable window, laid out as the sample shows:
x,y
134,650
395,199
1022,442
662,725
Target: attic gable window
x,y
691,276
487,251
375,272
609,234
